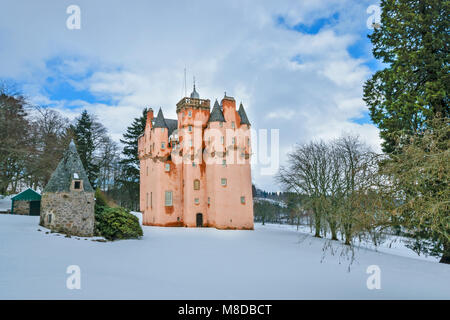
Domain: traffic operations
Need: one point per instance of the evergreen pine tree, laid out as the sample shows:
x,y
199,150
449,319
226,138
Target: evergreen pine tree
x,y
130,161
412,42
84,139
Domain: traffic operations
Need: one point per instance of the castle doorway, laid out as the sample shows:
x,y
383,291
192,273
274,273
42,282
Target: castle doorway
x,y
199,220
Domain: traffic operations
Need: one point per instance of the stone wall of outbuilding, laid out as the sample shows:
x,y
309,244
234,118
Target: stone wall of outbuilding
x,y
68,212
22,207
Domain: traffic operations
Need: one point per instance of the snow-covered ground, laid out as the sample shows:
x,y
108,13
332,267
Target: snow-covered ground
x,y
5,203
178,263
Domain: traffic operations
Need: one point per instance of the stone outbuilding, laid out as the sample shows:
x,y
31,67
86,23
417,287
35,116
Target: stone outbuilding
x,y
67,203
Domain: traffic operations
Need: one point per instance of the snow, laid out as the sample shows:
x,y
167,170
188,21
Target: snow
x,y
138,215
392,245
5,203
275,202
185,263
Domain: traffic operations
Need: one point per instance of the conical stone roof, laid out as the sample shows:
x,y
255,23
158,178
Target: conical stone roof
x,y
69,168
216,114
243,115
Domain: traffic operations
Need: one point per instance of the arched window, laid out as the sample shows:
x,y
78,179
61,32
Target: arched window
x,y
196,184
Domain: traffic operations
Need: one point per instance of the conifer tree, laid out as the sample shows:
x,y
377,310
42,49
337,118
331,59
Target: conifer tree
x,y
130,161
412,41
89,135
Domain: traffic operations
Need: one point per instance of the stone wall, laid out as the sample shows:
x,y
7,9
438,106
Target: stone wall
x,y
69,212
22,207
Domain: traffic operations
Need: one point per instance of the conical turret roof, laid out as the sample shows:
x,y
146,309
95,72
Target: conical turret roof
x,y
159,121
69,168
216,113
243,115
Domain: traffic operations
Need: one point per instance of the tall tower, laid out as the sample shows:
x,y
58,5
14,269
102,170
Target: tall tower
x,y
193,114
229,186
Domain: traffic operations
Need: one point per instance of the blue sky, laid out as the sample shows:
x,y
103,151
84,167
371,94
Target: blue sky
x,y
298,66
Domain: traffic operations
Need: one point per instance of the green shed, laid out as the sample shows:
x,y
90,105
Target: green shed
x,y
27,202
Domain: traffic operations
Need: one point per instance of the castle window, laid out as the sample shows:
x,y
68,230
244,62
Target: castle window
x,y
243,200
162,129
223,181
221,124
77,185
209,200
190,143
151,199
222,140
163,145
167,167
196,184
224,162
233,126
193,164
197,201
168,199
233,140
146,200
147,170
248,141
49,218
190,113
190,128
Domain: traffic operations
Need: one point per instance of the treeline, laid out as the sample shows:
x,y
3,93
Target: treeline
x,y
347,191
33,140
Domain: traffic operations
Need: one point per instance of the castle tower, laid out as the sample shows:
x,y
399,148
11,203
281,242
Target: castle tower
x,y
193,114
67,203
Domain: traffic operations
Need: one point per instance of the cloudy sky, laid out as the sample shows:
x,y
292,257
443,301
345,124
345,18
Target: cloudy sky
x,y
297,66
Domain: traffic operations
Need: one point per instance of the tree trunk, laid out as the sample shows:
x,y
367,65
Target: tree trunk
x,y
317,226
446,255
332,225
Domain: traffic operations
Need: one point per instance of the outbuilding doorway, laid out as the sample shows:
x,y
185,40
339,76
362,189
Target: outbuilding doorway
x,y
199,220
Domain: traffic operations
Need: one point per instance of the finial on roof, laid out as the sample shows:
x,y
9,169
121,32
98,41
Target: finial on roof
x,y
194,93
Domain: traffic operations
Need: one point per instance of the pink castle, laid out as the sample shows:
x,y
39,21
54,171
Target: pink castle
x,y
195,171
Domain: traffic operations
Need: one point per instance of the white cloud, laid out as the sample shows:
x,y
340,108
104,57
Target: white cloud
x,y
134,54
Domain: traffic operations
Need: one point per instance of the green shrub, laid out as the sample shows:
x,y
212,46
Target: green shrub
x,y
100,198
116,223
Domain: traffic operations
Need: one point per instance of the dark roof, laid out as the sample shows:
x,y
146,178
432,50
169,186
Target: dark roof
x,y
62,177
27,195
172,125
195,94
243,115
216,114
159,120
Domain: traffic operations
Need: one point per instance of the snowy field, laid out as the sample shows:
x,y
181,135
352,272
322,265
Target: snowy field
x,y
270,262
